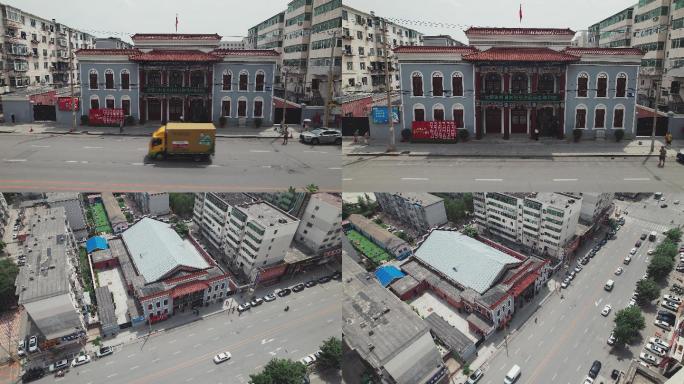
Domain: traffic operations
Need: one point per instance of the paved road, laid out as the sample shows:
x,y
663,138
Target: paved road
x,y
109,163
571,333
422,174
184,354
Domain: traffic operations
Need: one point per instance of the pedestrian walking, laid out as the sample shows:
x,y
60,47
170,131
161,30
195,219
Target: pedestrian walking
x,y
668,139
285,134
662,156
121,125
366,136
356,136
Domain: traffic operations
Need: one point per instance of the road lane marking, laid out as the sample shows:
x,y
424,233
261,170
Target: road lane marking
x,y
488,179
189,379
210,329
541,342
554,376
211,370
347,179
517,351
530,337
197,345
109,362
637,179
40,146
191,335
129,356
564,179
93,147
562,316
551,331
586,330
259,151
137,164
335,168
528,358
415,179
71,161
265,341
155,360
172,341
177,352
566,359
579,367
112,375
151,348
250,355
135,367
14,160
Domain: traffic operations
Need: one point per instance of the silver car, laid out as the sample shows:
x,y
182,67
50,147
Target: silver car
x,y
321,136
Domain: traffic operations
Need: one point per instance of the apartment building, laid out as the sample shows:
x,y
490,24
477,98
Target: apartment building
x,y
156,203
542,222
4,214
418,211
211,213
320,228
258,235
37,50
363,45
650,34
441,41
594,204
614,31
233,44
111,43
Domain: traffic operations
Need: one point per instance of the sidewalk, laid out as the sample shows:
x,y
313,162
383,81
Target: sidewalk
x,y
136,130
499,148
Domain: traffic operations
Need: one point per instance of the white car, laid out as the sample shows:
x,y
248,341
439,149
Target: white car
x,y
33,344
578,268
475,377
221,357
606,310
675,299
656,349
619,271
676,202
308,360
659,342
662,324
588,380
21,348
565,283
650,252
632,302
647,357
669,305
611,338
633,251
83,359
104,351
58,365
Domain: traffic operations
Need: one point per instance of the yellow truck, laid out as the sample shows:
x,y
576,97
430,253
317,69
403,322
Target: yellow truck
x,y
194,140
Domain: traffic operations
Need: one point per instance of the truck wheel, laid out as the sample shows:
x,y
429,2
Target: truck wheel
x,y
314,141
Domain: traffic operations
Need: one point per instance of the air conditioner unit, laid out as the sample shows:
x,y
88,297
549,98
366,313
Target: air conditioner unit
x,y
656,18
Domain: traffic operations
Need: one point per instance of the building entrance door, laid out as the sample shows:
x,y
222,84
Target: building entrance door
x,y
519,120
175,109
196,111
547,122
153,109
493,120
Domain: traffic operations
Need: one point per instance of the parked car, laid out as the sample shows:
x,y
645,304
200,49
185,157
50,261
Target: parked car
x,y
606,310
633,251
308,360
21,347
669,305
56,366
675,299
585,261
80,360
659,342
565,283
637,244
104,351
611,338
618,271
578,268
475,377
284,292
680,156
324,279
656,349
643,236
647,357
256,302
595,369
244,306
627,260
33,344
650,252
270,297
298,288
32,374
221,357
321,136
337,276
661,324
310,283
663,205
632,302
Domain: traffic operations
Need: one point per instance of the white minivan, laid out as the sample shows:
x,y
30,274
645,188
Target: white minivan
x,y
512,375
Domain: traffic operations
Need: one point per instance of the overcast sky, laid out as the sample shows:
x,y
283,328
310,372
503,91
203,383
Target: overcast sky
x,y
233,17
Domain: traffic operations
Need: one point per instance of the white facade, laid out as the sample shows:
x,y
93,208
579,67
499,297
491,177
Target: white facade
x,y
593,204
211,213
232,44
544,222
321,224
419,211
258,235
156,203
37,50
111,43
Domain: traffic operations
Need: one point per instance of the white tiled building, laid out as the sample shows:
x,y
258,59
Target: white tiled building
x,y
419,211
543,222
594,204
320,228
211,213
153,203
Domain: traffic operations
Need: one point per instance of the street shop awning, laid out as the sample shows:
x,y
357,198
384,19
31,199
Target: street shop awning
x,y
96,243
387,274
189,288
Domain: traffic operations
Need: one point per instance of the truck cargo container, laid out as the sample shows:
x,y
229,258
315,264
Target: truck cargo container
x,y
195,140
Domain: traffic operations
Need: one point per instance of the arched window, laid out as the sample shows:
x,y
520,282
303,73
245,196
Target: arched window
x,y
225,107
602,85
260,81
492,83
438,112
417,83
619,116
546,83
519,83
457,113
110,102
258,110
126,105
227,80
242,107
437,84
621,85
94,102
93,79
109,79
125,79
244,80
600,116
418,112
457,84
581,116
582,84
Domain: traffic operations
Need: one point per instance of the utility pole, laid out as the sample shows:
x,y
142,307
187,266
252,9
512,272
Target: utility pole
x,y
331,79
388,85
71,83
656,85
282,121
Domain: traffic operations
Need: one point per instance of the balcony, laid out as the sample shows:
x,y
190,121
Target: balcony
x,y
347,37
35,42
169,90
348,53
528,97
13,23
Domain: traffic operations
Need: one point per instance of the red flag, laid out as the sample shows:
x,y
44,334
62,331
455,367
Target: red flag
x,y
177,22
520,12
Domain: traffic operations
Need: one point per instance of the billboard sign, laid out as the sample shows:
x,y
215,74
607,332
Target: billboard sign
x,y
380,115
434,131
64,103
108,116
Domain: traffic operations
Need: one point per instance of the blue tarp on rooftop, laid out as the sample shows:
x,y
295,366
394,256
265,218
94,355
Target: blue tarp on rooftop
x,y
386,275
95,243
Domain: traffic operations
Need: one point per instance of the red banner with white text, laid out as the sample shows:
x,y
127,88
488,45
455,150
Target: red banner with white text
x,y
110,116
64,103
434,130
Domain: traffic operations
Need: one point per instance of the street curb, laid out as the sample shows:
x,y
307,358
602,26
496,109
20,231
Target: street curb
x,y
144,135
181,325
484,156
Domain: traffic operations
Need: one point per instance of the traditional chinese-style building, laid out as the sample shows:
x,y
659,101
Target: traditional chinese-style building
x,y
513,81
166,77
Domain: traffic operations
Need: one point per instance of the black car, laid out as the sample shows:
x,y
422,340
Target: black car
x,y
604,242
595,369
32,374
324,279
298,288
310,283
643,236
284,292
680,156
337,276
584,261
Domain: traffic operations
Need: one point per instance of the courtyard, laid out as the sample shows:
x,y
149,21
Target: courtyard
x,y
369,249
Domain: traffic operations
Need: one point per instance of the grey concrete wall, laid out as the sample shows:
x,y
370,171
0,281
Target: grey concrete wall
x,y
21,109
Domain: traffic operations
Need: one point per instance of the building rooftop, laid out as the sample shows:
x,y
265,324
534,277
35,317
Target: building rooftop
x,y
105,307
375,231
459,50
379,326
521,54
423,199
53,197
55,317
101,255
559,200
232,199
579,51
519,31
451,336
175,36
175,56
266,214
245,52
113,209
157,250
464,260
332,199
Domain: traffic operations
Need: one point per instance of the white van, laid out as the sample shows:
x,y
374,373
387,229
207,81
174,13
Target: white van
x,y
512,375
609,285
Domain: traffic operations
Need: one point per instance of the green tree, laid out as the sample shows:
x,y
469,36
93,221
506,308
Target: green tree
x,y
311,188
674,235
628,323
2,246
8,273
667,248
647,290
181,228
182,203
660,267
469,230
331,354
280,371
